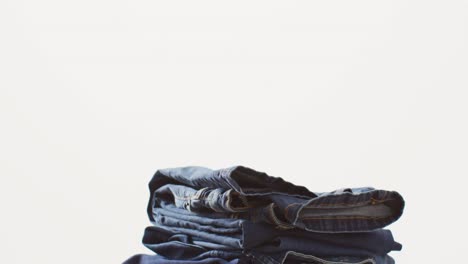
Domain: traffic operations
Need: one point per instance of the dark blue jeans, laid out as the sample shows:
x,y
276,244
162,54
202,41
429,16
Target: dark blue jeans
x,y
176,242
147,259
248,194
216,232
290,258
238,215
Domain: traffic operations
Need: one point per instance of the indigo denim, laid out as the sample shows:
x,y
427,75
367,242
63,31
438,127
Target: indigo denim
x,y
217,232
155,259
290,258
238,215
248,194
185,243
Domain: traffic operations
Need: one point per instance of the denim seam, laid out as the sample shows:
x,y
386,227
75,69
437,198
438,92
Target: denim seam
x,y
275,219
287,208
323,261
297,218
372,200
286,211
186,244
344,217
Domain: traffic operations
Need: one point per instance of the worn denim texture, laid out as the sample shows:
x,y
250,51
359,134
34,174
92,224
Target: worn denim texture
x,y
243,234
155,259
253,195
239,215
292,257
180,244
255,258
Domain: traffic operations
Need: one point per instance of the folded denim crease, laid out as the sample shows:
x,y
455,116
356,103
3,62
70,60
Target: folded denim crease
x,y
274,200
238,215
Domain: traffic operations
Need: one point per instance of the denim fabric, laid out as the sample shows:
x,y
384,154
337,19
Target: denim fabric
x,y
181,246
253,195
224,233
238,215
173,243
293,257
147,259
290,258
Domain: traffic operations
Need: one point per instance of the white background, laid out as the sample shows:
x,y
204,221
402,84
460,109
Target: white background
x,y
97,95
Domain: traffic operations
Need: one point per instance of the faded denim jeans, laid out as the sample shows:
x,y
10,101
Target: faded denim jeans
x,y
239,215
244,193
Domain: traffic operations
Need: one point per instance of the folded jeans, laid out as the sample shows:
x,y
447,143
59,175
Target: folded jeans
x,y
253,195
238,215
290,258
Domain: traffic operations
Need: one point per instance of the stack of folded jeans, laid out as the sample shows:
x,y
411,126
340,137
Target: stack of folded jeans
x,y
238,215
